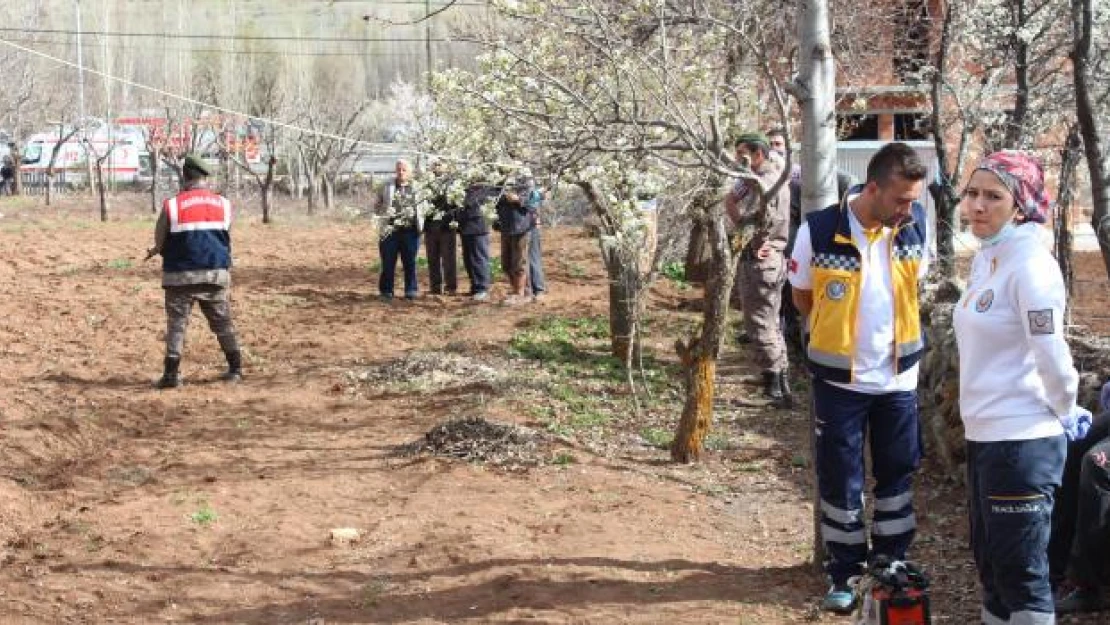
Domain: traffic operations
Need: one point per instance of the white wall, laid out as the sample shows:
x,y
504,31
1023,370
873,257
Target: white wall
x,y
853,156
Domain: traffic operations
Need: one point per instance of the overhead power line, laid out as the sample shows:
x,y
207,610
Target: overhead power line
x,y
188,100
224,109
106,33
147,49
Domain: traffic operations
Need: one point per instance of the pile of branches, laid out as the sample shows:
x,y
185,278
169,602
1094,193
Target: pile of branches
x,y
475,439
425,371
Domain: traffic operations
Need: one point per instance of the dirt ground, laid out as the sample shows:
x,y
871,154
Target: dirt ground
x,y
214,503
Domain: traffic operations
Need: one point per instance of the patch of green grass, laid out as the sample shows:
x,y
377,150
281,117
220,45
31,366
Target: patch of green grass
x,y
120,263
675,271
204,515
553,338
496,271
585,388
581,411
586,418
373,592
563,459
574,270
558,428
717,442
657,437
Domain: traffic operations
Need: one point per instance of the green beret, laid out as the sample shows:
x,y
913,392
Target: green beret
x,y
195,163
753,138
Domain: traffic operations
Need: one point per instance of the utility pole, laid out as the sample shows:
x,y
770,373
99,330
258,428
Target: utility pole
x,y
428,42
80,67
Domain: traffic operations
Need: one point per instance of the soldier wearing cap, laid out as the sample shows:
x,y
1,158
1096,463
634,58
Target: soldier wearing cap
x,y
761,268
193,238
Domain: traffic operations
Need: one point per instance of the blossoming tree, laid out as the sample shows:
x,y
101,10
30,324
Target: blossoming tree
x,y
629,101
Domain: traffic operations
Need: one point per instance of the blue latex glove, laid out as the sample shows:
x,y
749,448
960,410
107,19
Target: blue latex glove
x,y
1077,424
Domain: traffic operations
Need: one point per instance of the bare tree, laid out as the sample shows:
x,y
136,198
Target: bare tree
x,y
1088,57
65,134
98,159
265,103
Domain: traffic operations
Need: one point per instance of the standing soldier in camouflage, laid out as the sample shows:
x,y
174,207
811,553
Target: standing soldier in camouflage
x,y
193,237
761,268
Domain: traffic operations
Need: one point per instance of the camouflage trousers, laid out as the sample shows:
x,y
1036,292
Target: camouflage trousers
x,y
215,305
759,289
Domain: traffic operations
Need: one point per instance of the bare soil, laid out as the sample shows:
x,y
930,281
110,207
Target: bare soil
x,y
214,504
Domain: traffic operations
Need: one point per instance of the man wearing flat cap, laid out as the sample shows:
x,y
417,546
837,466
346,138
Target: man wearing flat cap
x,y
193,238
761,268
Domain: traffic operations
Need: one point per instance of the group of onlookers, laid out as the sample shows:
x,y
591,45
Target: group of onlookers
x,y
402,223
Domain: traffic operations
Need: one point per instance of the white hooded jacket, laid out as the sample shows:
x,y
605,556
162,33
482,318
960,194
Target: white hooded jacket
x,y
1016,372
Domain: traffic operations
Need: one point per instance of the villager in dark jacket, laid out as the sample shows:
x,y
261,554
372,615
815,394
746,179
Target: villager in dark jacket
x,y
474,233
516,218
440,245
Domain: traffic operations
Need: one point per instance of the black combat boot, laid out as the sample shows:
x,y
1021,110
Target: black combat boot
x,y
787,400
772,385
234,371
170,377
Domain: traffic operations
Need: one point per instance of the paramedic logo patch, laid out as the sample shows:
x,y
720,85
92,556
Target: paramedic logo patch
x,y
1040,322
836,290
983,304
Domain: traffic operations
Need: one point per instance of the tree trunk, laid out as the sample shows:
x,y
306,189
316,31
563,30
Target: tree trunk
x,y
626,285
624,302
947,204
1082,13
1063,223
101,192
818,86
90,171
312,191
295,178
698,254
155,167
329,193
817,82
944,196
699,357
49,184
697,412
1015,130
17,168
268,189
225,170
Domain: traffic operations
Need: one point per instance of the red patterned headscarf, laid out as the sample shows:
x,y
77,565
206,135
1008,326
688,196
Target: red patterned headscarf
x,y
1024,177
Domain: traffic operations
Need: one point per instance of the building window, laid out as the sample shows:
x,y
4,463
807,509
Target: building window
x,y
911,127
857,127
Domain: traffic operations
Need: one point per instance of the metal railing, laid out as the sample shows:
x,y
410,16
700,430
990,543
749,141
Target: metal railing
x,y
34,182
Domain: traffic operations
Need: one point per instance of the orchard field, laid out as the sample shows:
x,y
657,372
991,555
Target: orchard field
x,y
216,504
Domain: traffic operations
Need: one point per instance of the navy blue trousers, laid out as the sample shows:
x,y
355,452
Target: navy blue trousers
x,y
406,244
843,420
475,248
1011,487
